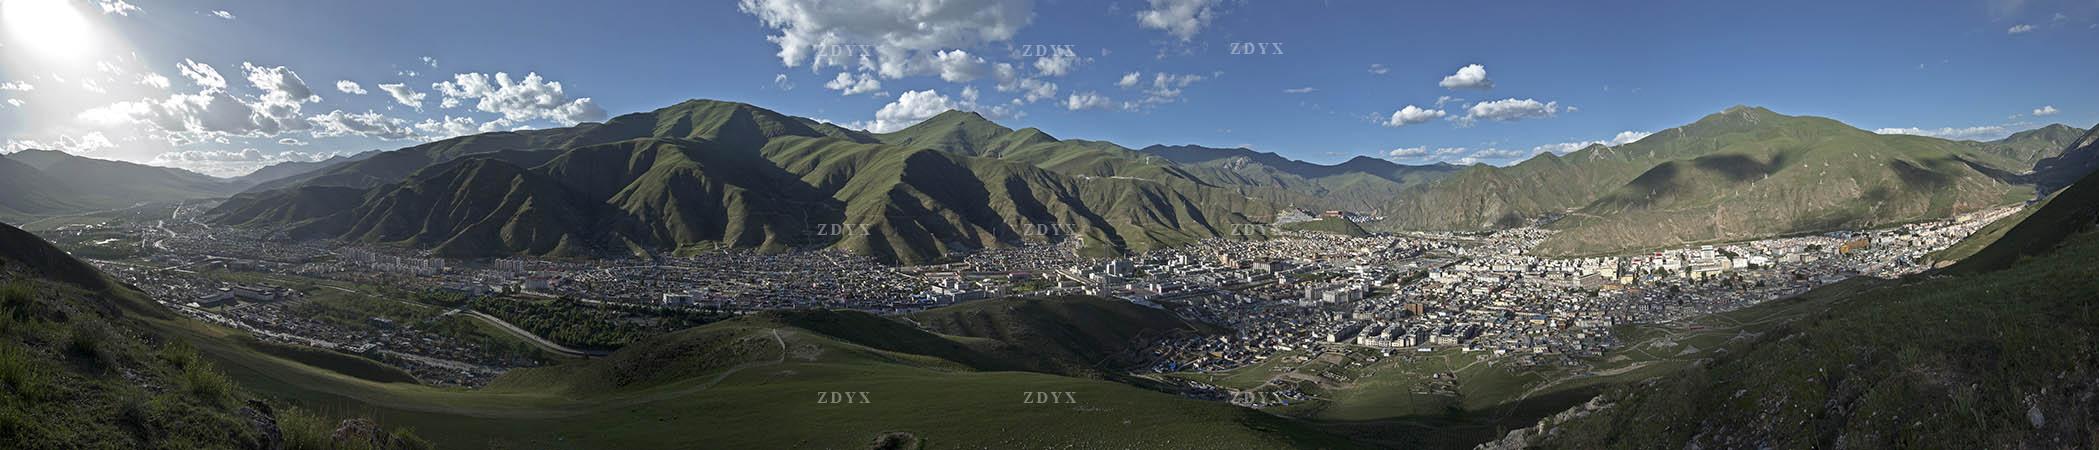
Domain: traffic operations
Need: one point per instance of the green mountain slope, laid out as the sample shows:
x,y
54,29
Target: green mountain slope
x,y
1070,335
83,183
1739,174
28,192
706,173
1330,225
1995,352
2019,152
2079,157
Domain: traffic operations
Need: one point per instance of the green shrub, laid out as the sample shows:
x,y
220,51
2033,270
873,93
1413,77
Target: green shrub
x,y
94,342
206,384
16,372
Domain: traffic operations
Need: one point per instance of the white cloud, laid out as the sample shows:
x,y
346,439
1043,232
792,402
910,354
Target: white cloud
x,y
1164,88
1302,90
2017,29
848,84
1472,76
350,87
1509,110
405,95
431,61
117,7
291,142
368,124
902,35
15,102
1130,80
1179,18
518,101
909,109
1407,152
1032,90
278,81
222,14
780,81
1379,69
16,86
228,163
85,144
1088,100
202,74
1411,114
1623,137
1985,131
2048,110
958,66
1058,64
154,80
448,127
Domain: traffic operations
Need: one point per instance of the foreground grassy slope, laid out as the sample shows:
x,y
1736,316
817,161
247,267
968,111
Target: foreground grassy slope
x,y
88,363
754,382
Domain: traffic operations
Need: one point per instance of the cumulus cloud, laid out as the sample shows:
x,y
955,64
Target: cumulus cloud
x,y
1379,69
154,80
20,86
229,163
1179,18
1058,64
223,14
1302,90
1509,109
1411,114
1562,148
780,81
431,61
848,84
15,102
1164,87
366,124
1472,76
449,126
958,66
1031,89
213,113
1976,132
521,100
901,35
2018,29
117,7
291,142
350,87
405,95
2048,110
85,144
202,74
909,109
1407,152
1088,100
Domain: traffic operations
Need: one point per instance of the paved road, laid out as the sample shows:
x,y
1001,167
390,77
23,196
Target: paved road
x,y
543,343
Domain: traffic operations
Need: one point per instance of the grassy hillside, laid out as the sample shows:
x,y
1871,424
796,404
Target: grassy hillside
x,y
1739,174
88,363
702,174
1076,335
1995,352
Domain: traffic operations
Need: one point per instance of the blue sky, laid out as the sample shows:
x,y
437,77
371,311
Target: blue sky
x,y
113,78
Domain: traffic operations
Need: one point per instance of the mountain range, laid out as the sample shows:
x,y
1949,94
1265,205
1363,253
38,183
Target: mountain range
x,y
703,175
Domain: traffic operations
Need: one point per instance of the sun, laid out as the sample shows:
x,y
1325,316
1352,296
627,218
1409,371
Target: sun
x,y
48,28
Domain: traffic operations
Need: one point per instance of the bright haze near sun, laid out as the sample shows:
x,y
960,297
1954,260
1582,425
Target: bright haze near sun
x,y
227,86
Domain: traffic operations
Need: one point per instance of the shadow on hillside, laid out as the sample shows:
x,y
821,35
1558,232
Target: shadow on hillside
x,y
1459,429
1740,168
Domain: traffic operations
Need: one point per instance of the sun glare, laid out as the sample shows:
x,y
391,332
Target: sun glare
x,y
47,28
